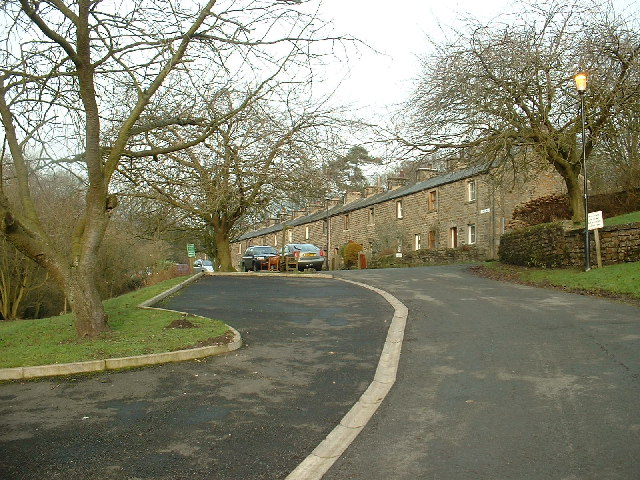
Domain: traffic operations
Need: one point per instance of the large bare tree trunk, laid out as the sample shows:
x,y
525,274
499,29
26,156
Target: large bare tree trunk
x,y
224,250
91,319
575,195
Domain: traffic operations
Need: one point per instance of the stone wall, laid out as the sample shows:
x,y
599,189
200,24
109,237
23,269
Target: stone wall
x,y
425,256
551,245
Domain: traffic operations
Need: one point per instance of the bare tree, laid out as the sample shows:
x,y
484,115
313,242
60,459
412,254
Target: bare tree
x,y
79,81
255,157
505,91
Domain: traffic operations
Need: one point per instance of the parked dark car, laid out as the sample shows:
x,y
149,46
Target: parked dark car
x,y
306,255
257,258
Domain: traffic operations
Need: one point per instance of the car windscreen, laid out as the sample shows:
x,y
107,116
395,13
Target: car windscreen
x,y
264,250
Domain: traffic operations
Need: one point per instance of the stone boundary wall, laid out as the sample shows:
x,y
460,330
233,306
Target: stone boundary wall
x,y
551,245
423,257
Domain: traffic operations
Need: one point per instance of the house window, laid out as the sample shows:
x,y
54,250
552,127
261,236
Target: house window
x,y
431,240
471,234
432,200
399,247
346,222
290,236
371,216
306,233
275,239
417,241
471,191
240,249
399,209
453,237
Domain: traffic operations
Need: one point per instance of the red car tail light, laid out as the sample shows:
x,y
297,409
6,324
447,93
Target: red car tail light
x,y
322,253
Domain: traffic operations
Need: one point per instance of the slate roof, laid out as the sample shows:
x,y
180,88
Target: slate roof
x,y
372,200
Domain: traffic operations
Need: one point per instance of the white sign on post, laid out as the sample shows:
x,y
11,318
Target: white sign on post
x,y
595,220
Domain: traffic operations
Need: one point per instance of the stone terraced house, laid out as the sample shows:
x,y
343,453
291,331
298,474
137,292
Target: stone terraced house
x,y
446,211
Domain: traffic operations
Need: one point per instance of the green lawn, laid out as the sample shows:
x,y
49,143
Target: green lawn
x,y
622,279
134,331
618,280
620,219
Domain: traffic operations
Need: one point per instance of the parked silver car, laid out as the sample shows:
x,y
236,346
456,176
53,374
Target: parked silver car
x,y
203,266
306,255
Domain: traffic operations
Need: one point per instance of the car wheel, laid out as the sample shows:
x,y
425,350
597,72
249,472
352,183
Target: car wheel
x,y
244,267
318,268
255,267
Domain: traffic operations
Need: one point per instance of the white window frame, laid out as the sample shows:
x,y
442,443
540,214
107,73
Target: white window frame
x,y
399,209
471,234
372,216
417,241
290,236
472,193
307,232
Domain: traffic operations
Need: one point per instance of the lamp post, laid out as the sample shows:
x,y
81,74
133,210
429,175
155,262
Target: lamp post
x,y
581,86
326,254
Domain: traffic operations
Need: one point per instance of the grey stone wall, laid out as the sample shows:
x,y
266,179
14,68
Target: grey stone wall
x,y
550,245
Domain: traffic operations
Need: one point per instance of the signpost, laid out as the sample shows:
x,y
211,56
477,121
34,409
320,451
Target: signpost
x,y
191,253
595,222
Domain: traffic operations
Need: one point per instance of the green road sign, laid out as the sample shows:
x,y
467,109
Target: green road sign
x,y
191,249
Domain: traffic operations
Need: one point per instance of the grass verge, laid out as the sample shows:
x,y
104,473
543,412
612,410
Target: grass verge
x,y
134,331
621,281
621,219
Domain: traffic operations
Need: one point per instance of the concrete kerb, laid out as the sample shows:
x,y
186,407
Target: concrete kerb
x,y
324,455
22,373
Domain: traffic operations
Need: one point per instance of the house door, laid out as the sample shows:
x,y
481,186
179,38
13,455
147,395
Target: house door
x,y
453,237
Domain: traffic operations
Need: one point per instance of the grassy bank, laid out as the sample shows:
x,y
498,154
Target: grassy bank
x,y
622,280
621,219
134,331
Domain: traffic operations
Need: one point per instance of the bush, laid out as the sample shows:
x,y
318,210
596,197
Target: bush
x,y
350,253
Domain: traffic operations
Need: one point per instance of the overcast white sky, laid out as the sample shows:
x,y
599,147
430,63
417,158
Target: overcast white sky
x,y
398,29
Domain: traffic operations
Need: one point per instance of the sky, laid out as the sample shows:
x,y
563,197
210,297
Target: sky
x,y
399,29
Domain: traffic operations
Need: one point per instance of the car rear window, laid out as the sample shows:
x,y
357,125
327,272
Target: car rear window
x,y
264,250
306,247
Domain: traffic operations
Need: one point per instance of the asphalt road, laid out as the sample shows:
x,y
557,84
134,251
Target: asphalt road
x,y
496,381
501,381
311,348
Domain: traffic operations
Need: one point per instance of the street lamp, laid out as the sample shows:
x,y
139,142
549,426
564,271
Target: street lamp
x,y
581,86
326,220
